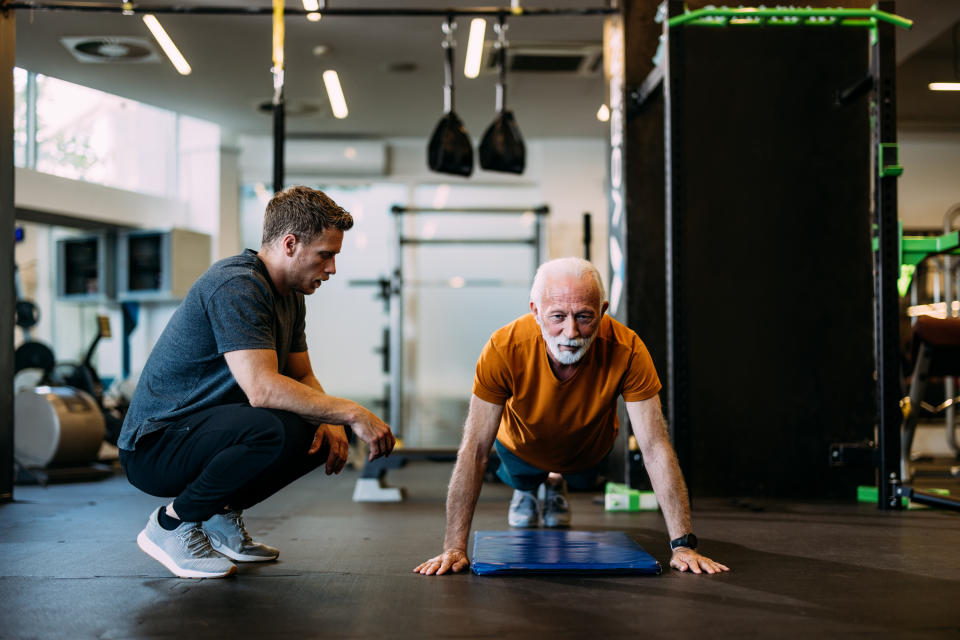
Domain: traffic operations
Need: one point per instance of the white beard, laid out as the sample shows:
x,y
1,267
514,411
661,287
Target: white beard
x,y
566,357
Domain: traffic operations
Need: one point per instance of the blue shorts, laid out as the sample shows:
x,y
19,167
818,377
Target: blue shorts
x,y
523,476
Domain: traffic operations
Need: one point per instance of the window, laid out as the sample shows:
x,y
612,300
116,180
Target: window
x,y
85,134
19,117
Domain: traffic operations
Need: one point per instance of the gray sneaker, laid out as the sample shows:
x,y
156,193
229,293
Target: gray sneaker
x,y
556,507
524,509
228,536
185,551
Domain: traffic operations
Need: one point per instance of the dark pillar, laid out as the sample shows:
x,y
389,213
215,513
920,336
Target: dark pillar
x,y
695,287
7,45
888,313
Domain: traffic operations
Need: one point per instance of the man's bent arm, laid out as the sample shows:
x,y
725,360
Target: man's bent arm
x,y
300,369
478,434
256,371
661,463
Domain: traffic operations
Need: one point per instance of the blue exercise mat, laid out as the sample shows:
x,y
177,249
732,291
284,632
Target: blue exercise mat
x,y
545,551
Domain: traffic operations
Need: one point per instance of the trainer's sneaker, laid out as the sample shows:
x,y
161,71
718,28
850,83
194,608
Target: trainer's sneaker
x,y
524,509
185,551
228,536
556,507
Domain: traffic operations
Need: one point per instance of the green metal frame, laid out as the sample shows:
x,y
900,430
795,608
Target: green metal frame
x,y
916,249
724,16
889,164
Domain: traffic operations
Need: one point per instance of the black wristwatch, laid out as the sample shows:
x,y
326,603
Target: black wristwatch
x,y
687,540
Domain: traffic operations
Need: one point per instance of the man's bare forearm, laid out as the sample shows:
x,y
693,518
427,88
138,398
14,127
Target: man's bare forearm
x,y
462,495
479,433
277,391
660,461
669,487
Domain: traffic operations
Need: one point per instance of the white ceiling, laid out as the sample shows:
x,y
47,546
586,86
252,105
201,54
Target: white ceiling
x,y
231,59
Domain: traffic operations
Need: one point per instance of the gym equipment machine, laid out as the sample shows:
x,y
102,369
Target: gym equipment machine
x,y
768,118
370,487
57,429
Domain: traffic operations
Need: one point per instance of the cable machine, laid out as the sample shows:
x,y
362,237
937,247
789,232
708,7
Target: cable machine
x,y
395,293
399,285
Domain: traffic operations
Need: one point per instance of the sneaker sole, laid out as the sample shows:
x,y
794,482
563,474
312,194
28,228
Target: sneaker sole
x,y
523,525
161,556
240,557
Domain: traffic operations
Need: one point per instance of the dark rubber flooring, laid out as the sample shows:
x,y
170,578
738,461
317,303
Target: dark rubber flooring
x,y
70,568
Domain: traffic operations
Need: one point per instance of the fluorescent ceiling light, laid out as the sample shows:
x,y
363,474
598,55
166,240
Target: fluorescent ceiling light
x,y
311,5
603,113
176,58
944,86
337,102
314,16
471,68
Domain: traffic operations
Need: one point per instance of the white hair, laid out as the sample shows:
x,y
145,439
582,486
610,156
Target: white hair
x,y
573,267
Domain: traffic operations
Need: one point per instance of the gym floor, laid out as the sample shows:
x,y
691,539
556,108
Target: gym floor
x,y
70,568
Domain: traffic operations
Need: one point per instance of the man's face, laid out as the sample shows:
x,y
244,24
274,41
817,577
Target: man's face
x,y
314,263
568,314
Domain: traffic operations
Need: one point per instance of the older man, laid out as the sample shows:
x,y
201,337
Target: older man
x,y
545,396
228,410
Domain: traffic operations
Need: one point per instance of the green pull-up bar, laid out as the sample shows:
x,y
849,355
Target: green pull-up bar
x,y
723,16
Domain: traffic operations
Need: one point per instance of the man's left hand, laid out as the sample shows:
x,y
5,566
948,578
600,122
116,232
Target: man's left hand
x,y
689,560
336,438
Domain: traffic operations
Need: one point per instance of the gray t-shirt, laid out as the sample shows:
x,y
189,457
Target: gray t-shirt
x,y
231,307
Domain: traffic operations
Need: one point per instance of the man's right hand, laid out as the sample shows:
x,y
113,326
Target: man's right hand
x,y
375,433
453,560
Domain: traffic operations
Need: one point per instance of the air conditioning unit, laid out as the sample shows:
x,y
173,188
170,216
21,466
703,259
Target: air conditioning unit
x,y
574,58
314,157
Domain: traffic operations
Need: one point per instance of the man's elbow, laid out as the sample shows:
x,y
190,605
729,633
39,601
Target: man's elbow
x,y
473,455
257,396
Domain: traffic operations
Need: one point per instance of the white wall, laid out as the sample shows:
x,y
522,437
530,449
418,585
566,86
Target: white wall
x,y
445,328
69,327
930,183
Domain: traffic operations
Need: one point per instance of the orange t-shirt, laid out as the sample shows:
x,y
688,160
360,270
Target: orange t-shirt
x,y
562,426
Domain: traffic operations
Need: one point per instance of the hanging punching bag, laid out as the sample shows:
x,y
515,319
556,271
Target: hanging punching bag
x,y
450,149
502,148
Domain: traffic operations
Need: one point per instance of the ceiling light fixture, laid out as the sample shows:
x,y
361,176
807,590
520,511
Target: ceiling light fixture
x,y
478,27
312,7
176,58
337,102
603,113
944,86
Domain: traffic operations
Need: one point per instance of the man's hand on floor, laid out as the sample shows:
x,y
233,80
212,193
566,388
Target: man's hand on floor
x,y
689,560
452,560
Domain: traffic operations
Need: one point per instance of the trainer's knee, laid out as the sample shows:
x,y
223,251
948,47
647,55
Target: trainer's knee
x,y
281,431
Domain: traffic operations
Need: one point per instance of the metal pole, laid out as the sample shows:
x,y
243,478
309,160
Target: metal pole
x,y
677,364
587,239
8,33
950,294
883,62
279,122
396,329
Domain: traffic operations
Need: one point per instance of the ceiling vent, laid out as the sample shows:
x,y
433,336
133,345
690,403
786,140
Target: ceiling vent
x,y
577,58
294,108
110,49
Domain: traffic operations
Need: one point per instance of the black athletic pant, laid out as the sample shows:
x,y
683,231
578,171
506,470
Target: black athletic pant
x,y
233,455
